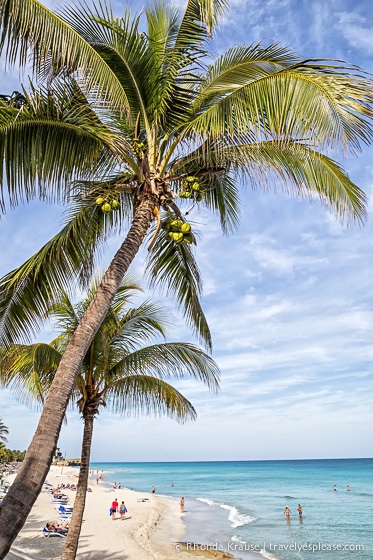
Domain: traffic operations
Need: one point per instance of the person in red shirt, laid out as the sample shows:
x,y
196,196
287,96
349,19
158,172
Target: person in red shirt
x,y
114,509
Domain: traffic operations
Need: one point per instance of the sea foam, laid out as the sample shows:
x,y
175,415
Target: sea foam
x,y
236,518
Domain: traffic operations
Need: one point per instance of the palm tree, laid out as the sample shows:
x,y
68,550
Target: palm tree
x,y
3,431
141,119
119,371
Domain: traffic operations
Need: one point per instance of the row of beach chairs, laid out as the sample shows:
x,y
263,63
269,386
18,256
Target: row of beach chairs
x,y
60,502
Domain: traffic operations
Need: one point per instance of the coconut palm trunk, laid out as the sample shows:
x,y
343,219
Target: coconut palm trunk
x,y
72,539
24,491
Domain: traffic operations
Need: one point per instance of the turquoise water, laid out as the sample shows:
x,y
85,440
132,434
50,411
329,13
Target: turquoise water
x,y
239,505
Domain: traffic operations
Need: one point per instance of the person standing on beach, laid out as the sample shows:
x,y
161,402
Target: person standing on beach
x,y
300,511
114,509
182,503
122,510
153,489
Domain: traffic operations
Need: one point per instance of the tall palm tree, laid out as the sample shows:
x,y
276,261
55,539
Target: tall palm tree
x,y
144,117
3,431
119,371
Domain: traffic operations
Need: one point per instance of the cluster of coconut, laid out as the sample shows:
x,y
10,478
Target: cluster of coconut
x,y
178,231
138,148
191,188
108,203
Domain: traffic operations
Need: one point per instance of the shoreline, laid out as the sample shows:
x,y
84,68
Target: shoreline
x,y
153,529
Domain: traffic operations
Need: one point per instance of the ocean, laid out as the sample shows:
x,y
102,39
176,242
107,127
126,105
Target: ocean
x,y
239,506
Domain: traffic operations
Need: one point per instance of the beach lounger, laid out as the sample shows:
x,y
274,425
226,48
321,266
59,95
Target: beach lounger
x,y
48,534
143,499
63,509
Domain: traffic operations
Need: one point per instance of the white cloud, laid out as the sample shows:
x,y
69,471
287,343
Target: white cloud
x,y
356,31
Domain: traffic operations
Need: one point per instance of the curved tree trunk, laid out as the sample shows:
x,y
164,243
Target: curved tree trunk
x,y
22,494
72,539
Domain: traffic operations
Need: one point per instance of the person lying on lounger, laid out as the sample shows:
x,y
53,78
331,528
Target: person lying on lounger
x,y
55,527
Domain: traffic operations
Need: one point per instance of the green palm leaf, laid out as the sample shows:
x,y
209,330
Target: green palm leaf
x,y
28,370
140,394
173,269
313,101
302,171
179,360
40,143
27,24
68,258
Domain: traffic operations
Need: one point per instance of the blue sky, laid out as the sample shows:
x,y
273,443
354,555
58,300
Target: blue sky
x,y
288,297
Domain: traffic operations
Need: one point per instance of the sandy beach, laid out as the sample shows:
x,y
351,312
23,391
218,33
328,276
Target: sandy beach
x,y
152,529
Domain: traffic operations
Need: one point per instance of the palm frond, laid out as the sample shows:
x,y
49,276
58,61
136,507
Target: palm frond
x,y
302,171
175,359
173,269
28,370
325,102
146,394
41,143
28,25
66,260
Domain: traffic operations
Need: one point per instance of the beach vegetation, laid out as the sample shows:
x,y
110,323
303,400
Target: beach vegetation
x,y
10,455
136,112
3,431
120,371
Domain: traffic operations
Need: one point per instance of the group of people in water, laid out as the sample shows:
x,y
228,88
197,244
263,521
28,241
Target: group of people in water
x,y
287,511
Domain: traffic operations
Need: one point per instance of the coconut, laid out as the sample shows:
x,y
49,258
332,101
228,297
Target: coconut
x,y
199,197
195,186
100,200
177,236
115,204
106,207
185,228
176,225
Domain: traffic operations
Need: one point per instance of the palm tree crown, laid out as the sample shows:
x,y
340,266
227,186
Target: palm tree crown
x,y
119,370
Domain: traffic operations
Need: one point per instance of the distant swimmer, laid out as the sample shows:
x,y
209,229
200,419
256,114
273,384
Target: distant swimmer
x,y
287,512
348,488
172,484
300,511
335,488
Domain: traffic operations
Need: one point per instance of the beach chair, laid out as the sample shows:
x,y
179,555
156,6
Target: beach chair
x,y
48,534
63,509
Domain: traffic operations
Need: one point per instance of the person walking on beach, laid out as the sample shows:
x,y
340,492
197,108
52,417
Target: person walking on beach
x,y
114,509
300,511
122,510
182,503
287,512
153,489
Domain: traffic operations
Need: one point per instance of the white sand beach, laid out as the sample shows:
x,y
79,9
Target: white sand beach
x,y
151,529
